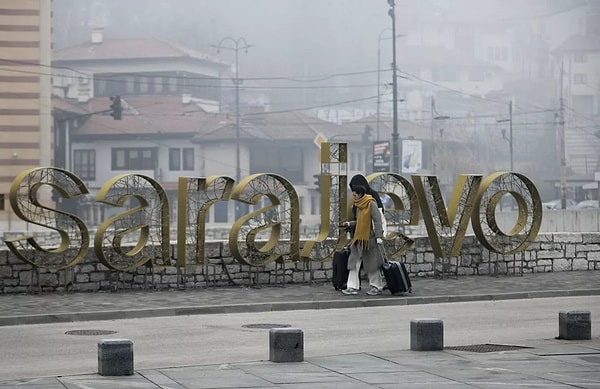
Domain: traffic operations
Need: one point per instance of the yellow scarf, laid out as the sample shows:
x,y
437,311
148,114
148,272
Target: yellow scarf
x,y
362,233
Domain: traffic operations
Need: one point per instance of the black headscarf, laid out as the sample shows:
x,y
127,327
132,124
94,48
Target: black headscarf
x,y
361,180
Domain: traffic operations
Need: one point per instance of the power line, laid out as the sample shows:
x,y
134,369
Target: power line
x,y
110,78
275,78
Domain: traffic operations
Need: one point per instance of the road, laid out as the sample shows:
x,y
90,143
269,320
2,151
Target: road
x,y
45,350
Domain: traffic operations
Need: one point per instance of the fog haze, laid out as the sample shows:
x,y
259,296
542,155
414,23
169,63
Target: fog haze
x,y
333,58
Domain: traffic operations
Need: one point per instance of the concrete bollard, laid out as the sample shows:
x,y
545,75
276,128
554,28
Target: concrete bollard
x,y
426,334
574,325
286,345
115,357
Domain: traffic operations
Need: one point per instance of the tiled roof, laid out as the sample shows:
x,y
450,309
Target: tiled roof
x,y
156,116
433,56
271,126
579,43
111,49
406,129
68,107
149,116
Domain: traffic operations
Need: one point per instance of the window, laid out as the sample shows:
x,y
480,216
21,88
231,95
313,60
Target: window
x,y
356,161
177,156
579,57
450,75
314,205
174,159
476,75
173,84
444,74
100,87
497,53
143,84
580,78
188,158
130,84
285,161
158,85
220,209
583,104
84,164
137,158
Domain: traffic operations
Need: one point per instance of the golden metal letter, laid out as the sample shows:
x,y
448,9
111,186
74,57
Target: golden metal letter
x,y
529,214
195,197
281,218
27,198
334,200
149,221
404,213
446,233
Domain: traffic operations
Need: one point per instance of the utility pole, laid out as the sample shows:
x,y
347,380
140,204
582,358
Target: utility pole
x,y
379,77
395,136
238,44
561,129
510,135
432,134
434,116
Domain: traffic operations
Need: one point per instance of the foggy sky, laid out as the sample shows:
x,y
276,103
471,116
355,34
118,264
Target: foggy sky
x,y
290,37
293,38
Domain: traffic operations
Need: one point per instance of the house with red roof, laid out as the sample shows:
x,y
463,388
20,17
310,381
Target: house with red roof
x,y
173,124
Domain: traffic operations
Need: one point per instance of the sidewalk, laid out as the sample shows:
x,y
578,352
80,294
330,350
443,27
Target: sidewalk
x,y
543,364
69,307
547,363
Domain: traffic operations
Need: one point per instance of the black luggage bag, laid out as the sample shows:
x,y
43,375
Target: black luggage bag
x,y
396,275
340,269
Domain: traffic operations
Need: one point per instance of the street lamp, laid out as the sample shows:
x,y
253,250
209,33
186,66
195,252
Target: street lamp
x,y
238,44
395,152
510,135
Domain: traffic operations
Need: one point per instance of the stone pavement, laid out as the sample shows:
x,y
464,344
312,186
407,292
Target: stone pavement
x,y
69,307
548,363
542,364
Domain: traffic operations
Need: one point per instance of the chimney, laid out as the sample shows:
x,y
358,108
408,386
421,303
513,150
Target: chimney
x,y
97,35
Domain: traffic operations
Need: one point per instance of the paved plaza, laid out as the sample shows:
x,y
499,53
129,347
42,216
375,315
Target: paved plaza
x,y
520,361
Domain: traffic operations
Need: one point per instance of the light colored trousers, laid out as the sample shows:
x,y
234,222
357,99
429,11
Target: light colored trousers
x,y
375,278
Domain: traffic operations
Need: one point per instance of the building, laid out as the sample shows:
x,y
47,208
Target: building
x,y
578,58
174,123
25,104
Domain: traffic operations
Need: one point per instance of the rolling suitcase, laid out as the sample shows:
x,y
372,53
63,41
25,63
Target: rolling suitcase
x,y
396,275
340,269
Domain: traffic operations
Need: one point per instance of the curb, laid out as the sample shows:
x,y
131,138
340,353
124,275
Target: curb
x,y
283,306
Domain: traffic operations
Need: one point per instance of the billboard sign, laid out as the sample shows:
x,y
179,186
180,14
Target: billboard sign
x,y
412,156
381,156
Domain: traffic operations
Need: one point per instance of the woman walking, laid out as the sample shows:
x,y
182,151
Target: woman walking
x,y
368,233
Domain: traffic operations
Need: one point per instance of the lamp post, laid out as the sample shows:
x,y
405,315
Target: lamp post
x,y
238,44
510,134
395,152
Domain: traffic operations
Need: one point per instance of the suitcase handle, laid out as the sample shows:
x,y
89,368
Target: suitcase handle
x,y
382,252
